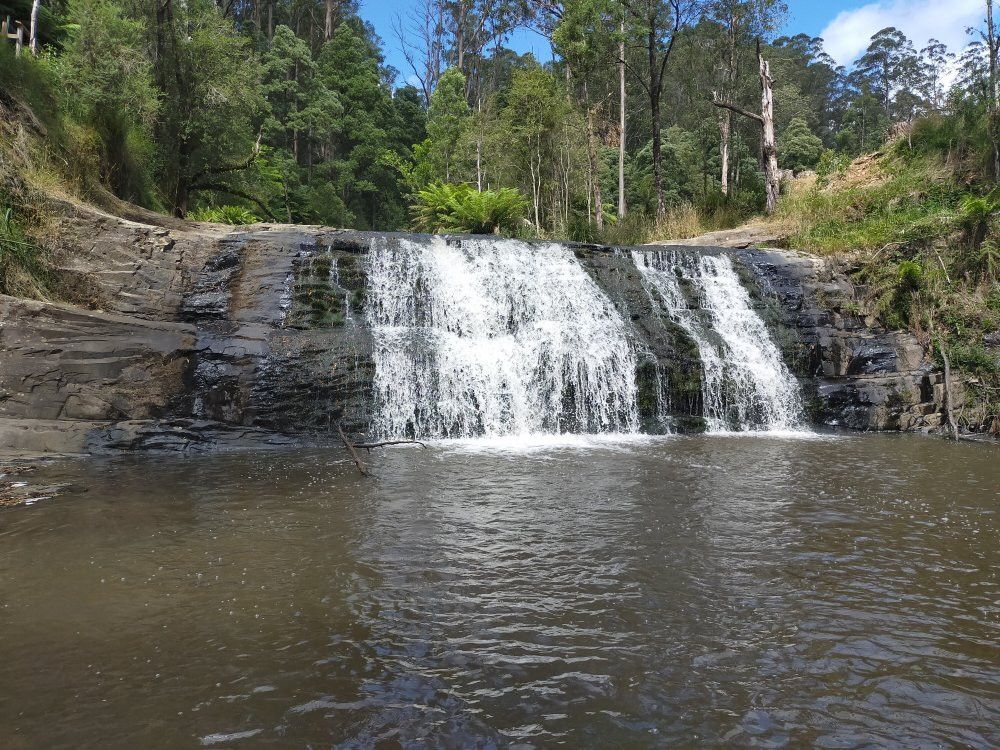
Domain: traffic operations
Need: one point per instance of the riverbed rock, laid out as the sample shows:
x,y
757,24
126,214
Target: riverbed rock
x,y
190,336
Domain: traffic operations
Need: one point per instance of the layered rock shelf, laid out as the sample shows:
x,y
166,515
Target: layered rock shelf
x,y
197,336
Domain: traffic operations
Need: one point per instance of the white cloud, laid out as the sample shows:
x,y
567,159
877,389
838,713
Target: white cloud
x,y
848,35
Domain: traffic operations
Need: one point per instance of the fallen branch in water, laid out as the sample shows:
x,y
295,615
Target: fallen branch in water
x,y
353,448
369,446
354,454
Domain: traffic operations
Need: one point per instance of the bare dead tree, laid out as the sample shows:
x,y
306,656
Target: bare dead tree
x,y
421,39
769,145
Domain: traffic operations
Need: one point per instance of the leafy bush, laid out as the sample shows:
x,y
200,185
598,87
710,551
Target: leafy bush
x,y
972,357
224,215
892,288
799,148
977,213
831,163
443,207
632,230
985,261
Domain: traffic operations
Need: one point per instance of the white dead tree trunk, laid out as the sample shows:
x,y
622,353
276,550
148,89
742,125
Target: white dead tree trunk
x,y
769,144
35,5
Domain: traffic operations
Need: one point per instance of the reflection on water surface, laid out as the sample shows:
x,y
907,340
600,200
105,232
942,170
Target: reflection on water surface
x,y
701,591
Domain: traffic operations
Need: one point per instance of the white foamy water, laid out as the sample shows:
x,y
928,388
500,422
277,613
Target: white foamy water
x,y
494,338
745,382
547,443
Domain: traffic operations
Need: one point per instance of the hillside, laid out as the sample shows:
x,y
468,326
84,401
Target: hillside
x,y
917,227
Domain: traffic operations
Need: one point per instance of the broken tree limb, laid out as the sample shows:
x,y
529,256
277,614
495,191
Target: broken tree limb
x,y
354,454
949,411
948,407
384,443
719,102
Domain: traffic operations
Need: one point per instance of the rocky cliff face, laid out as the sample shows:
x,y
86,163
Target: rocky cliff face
x,y
856,374
196,336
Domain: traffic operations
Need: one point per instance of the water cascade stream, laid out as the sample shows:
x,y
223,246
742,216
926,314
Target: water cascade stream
x,y
492,338
745,383
487,337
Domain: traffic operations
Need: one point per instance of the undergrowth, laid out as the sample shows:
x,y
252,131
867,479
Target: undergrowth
x,y
23,272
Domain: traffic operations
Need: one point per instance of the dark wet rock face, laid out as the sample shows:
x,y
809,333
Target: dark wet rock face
x,y
281,341
206,338
855,374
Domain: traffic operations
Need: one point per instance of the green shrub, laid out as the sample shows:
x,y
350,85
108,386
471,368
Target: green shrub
x,y
581,228
798,147
985,261
634,229
977,213
236,215
973,358
442,207
831,163
892,288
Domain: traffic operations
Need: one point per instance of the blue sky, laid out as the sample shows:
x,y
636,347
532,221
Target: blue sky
x,y
846,25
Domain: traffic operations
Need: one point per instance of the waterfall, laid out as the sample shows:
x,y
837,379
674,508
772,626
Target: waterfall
x,y
494,337
745,382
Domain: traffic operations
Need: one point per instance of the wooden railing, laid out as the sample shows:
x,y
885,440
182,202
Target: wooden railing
x,y
17,36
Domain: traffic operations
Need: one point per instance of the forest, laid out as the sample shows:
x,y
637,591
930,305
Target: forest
x,y
645,122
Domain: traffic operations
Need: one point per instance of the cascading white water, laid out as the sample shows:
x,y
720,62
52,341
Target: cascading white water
x,y
492,338
745,382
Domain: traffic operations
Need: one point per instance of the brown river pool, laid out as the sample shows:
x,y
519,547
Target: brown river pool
x,y
835,592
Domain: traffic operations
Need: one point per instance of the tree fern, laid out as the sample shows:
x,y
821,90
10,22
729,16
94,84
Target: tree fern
x,y
442,207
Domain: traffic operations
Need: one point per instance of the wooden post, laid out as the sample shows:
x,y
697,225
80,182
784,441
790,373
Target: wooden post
x,y
19,39
35,5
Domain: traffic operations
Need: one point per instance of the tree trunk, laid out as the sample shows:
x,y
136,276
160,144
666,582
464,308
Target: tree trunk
x,y
328,24
654,107
460,35
594,176
725,123
621,122
770,147
593,168
536,184
183,185
33,36
994,119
